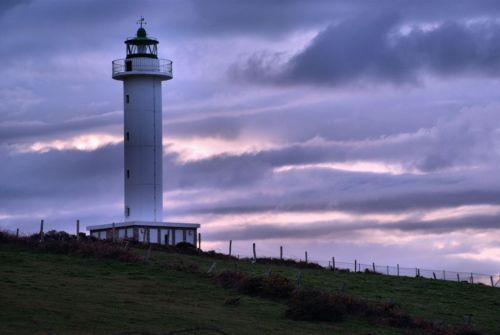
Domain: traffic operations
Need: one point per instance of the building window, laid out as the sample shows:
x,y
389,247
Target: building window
x,y
127,98
127,136
127,211
128,174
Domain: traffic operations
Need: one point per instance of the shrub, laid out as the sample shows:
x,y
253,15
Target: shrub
x,y
277,286
314,305
229,279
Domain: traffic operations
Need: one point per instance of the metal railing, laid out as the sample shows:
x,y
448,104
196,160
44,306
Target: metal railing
x,y
147,65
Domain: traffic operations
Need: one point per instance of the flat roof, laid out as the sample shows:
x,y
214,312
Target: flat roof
x,y
145,223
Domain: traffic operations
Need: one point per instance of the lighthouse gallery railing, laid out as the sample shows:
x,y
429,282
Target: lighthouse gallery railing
x,y
161,66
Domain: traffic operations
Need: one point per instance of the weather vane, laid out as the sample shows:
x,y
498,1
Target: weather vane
x,y
141,21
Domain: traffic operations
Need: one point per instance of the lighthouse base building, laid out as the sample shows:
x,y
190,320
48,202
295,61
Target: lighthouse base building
x,y
142,74
163,233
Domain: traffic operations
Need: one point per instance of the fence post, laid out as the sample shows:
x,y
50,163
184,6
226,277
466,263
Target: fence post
x,y
254,253
398,270
306,256
199,241
113,232
78,230
419,272
230,246
148,253
355,265
281,252
444,275
471,278
17,235
387,269
434,275
373,266
41,231
333,264
491,279
458,277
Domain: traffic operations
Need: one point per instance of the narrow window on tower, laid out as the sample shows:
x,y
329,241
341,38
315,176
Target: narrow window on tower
x,y
127,98
128,174
127,211
127,136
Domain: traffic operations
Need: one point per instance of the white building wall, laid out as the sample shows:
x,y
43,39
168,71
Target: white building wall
x,y
178,236
153,235
190,236
130,233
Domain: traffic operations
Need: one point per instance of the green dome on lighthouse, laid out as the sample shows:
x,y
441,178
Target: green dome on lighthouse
x,y
141,32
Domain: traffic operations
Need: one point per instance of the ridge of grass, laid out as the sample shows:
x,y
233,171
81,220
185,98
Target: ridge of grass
x,y
46,293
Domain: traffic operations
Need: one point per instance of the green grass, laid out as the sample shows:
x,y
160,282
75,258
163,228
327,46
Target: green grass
x,y
43,293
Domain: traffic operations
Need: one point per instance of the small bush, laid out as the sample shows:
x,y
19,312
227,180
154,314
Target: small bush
x,y
274,286
252,286
229,279
277,286
314,305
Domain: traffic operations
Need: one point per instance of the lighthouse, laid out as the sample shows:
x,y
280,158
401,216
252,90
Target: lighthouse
x,y
142,73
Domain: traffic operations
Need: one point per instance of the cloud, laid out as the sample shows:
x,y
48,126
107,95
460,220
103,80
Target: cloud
x,y
380,50
332,229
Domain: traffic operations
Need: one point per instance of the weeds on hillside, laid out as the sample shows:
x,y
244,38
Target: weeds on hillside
x,y
63,243
320,305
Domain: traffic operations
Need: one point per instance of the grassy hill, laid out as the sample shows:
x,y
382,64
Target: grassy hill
x,y
47,293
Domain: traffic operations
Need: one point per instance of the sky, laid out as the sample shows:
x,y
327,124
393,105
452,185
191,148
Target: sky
x,y
356,129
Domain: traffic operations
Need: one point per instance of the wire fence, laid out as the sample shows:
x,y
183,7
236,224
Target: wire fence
x,y
388,270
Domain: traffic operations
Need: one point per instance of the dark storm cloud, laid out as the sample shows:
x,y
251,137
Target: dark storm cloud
x,y
17,132
375,50
55,178
326,229
468,140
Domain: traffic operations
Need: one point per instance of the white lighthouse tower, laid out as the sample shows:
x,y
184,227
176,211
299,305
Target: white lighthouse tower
x,y
142,73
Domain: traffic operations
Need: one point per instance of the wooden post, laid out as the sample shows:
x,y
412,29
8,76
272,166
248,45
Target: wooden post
x,y
492,283
306,256
17,235
148,253
113,232
471,278
373,266
458,277
434,275
199,241
355,265
444,275
387,269
419,272
41,231
230,246
254,253
78,230
398,270
333,264
281,252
